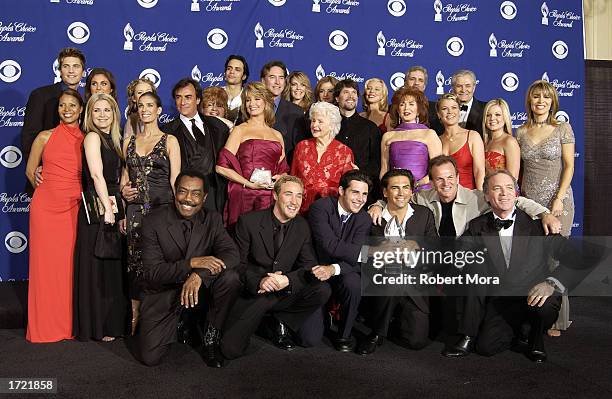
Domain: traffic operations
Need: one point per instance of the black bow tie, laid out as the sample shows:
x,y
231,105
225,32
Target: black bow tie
x,y
502,224
464,107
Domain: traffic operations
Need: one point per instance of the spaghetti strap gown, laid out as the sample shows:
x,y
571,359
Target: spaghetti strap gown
x,y
100,301
53,227
465,163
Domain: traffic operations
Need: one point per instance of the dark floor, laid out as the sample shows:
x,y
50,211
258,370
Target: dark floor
x,y
578,367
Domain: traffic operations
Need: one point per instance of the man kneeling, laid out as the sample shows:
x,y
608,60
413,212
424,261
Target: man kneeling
x,y
187,256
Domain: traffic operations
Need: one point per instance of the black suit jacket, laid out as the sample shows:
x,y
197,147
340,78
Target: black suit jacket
x,y
194,156
290,121
41,114
420,224
528,258
474,119
255,239
331,243
166,254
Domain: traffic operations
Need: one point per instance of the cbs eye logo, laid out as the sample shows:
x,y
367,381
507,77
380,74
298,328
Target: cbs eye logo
x,y
147,3
10,71
277,3
15,242
217,38
560,49
10,157
562,116
397,8
152,75
508,10
510,81
78,32
338,40
455,46
397,80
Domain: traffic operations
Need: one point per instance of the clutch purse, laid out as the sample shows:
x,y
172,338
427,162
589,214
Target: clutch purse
x,y
108,242
94,210
261,176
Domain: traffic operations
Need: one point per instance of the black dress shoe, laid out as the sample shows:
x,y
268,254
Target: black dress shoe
x,y
344,344
281,338
462,348
211,353
538,356
369,344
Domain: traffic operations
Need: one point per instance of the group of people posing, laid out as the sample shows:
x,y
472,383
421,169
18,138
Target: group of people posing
x,y
247,211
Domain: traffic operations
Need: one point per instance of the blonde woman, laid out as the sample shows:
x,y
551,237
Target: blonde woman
x,y
376,104
501,148
299,90
134,90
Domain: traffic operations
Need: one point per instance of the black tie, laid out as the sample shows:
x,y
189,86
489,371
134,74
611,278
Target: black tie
x,y
197,133
502,224
464,107
279,237
187,225
343,219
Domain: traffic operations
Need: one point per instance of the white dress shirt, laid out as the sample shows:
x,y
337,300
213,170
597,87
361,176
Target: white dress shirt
x,y
198,121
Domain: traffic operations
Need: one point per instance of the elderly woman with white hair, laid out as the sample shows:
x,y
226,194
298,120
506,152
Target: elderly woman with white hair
x,y
321,160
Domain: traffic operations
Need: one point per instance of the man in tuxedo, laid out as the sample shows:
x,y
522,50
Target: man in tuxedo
x,y
41,109
200,138
340,228
495,315
189,260
416,77
400,220
463,85
289,118
276,259
361,135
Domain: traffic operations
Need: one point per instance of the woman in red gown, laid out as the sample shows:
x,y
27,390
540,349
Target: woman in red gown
x,y
253,146
53,223
321,161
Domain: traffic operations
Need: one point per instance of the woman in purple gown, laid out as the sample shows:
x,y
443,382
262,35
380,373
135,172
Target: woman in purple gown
x,y
410,144
253,156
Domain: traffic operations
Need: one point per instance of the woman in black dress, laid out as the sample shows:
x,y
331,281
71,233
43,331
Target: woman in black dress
x,y
153,160
100,305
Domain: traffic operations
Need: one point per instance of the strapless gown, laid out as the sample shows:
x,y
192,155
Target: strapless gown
x,y
252,153
494,161
410,154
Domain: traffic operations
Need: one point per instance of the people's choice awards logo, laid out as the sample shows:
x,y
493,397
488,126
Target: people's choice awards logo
x,y
154,42
208,78
78,32
561,18
509,48
562,116
214,5
381,40
439,83
397,8
320,73
455,12
147,3
338,40
508,10
455,46
10,71
544,10
10,157
128,33
510,81
15,31
7,115
560,49
565,88
400,47
277,3
152,75
281,38
397,80
15,242
337,6
217,38
493,45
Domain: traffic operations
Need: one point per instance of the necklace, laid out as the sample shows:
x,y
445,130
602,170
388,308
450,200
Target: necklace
x,y
543,123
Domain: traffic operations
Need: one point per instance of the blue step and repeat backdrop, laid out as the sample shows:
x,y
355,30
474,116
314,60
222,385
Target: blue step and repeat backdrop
x,y
508,44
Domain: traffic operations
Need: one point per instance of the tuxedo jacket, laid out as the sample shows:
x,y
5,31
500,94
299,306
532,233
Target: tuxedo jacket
x,y
166,254
41,114
290,121
332,243
255,239
420,224
529,258
474,119
201,156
